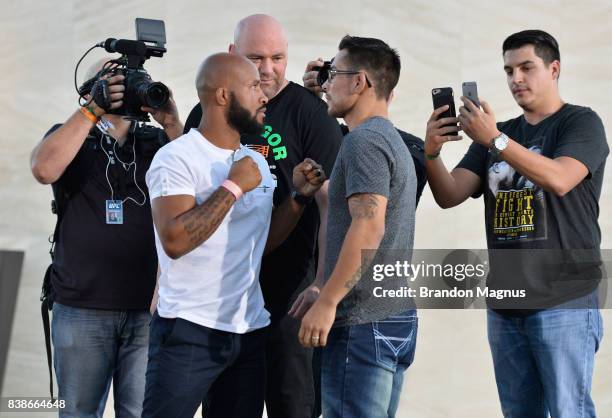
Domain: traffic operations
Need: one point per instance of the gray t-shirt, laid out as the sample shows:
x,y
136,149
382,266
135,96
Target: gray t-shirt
x,y
372,159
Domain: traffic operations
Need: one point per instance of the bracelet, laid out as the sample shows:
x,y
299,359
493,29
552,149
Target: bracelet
x,y
432,157
89,114
233,188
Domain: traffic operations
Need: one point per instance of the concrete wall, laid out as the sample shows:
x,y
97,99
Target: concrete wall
x,y
442,43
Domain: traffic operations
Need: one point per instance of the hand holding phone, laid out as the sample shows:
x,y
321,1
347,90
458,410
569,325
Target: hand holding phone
x,y
323,73
315,75
470,91
444,96
436,134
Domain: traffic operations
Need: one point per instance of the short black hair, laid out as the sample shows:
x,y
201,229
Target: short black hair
x,y
544,45
376,57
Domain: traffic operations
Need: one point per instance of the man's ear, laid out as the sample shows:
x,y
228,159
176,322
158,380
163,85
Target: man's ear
x,y
232,49
556,69
222,96
359,83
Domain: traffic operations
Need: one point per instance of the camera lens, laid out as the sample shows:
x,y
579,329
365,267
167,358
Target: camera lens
x,y
156,95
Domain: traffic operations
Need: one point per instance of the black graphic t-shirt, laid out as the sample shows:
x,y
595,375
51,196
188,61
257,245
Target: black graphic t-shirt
x,y
544,230
297,126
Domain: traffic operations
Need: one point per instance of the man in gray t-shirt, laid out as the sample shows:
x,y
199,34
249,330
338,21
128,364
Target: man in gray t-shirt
x,y
368,340
372,160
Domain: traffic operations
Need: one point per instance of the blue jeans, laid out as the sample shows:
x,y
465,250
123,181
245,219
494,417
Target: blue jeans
x,y
93,347
189,363
363,367
544,362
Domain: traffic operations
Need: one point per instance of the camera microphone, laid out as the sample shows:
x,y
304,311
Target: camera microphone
x,y
124,46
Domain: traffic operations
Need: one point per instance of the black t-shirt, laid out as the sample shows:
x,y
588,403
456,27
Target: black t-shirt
x,y
416,146
544,231
297,126
99,265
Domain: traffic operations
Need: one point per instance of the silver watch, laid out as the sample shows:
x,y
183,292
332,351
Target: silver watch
x,y
499,143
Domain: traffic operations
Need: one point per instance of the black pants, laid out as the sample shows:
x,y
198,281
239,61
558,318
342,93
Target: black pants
x,y
290,388
189,362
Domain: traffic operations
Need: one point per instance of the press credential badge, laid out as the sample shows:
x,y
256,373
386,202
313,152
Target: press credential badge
x,y
114,212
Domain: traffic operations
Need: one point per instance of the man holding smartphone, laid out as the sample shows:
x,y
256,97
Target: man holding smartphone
x,y
541,176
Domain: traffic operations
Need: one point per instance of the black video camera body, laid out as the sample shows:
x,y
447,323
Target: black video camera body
x,y
140,89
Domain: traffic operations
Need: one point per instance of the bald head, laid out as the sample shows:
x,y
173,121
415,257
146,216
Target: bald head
x,y
229,90
262,39
259,28
223,70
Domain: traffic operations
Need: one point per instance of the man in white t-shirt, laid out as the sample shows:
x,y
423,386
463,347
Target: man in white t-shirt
x,y
212,210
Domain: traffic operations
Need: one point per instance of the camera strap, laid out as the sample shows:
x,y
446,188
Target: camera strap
x,y
46,297
44,311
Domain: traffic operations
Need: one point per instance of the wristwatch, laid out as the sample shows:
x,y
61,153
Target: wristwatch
x,y
301,199
499,144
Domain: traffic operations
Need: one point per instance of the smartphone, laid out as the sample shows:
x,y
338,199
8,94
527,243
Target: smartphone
x,y
322,72
470,91
444,96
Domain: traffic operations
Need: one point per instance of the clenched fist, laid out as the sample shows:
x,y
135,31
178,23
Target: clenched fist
x,y
245,173
308,177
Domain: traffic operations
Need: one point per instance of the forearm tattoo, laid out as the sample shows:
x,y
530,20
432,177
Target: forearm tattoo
x,y
354,279
363,206
352,282
204,219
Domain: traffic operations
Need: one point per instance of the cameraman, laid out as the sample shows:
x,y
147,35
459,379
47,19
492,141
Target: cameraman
x,y
104,265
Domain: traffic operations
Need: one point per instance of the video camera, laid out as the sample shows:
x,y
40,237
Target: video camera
x,y
140,89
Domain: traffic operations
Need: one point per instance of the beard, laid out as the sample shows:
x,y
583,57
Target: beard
x,y
240,119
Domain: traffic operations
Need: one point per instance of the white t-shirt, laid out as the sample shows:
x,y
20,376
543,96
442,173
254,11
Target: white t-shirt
x,y
217,284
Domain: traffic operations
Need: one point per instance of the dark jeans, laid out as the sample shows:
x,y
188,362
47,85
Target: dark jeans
x,y
189,362
93,347
290,388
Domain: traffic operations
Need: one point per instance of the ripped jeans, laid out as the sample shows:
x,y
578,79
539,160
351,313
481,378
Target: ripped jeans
x,y
363,367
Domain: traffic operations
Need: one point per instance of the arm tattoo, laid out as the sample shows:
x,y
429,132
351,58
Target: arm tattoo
x,y
352,282
363,206
203,220
366,261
